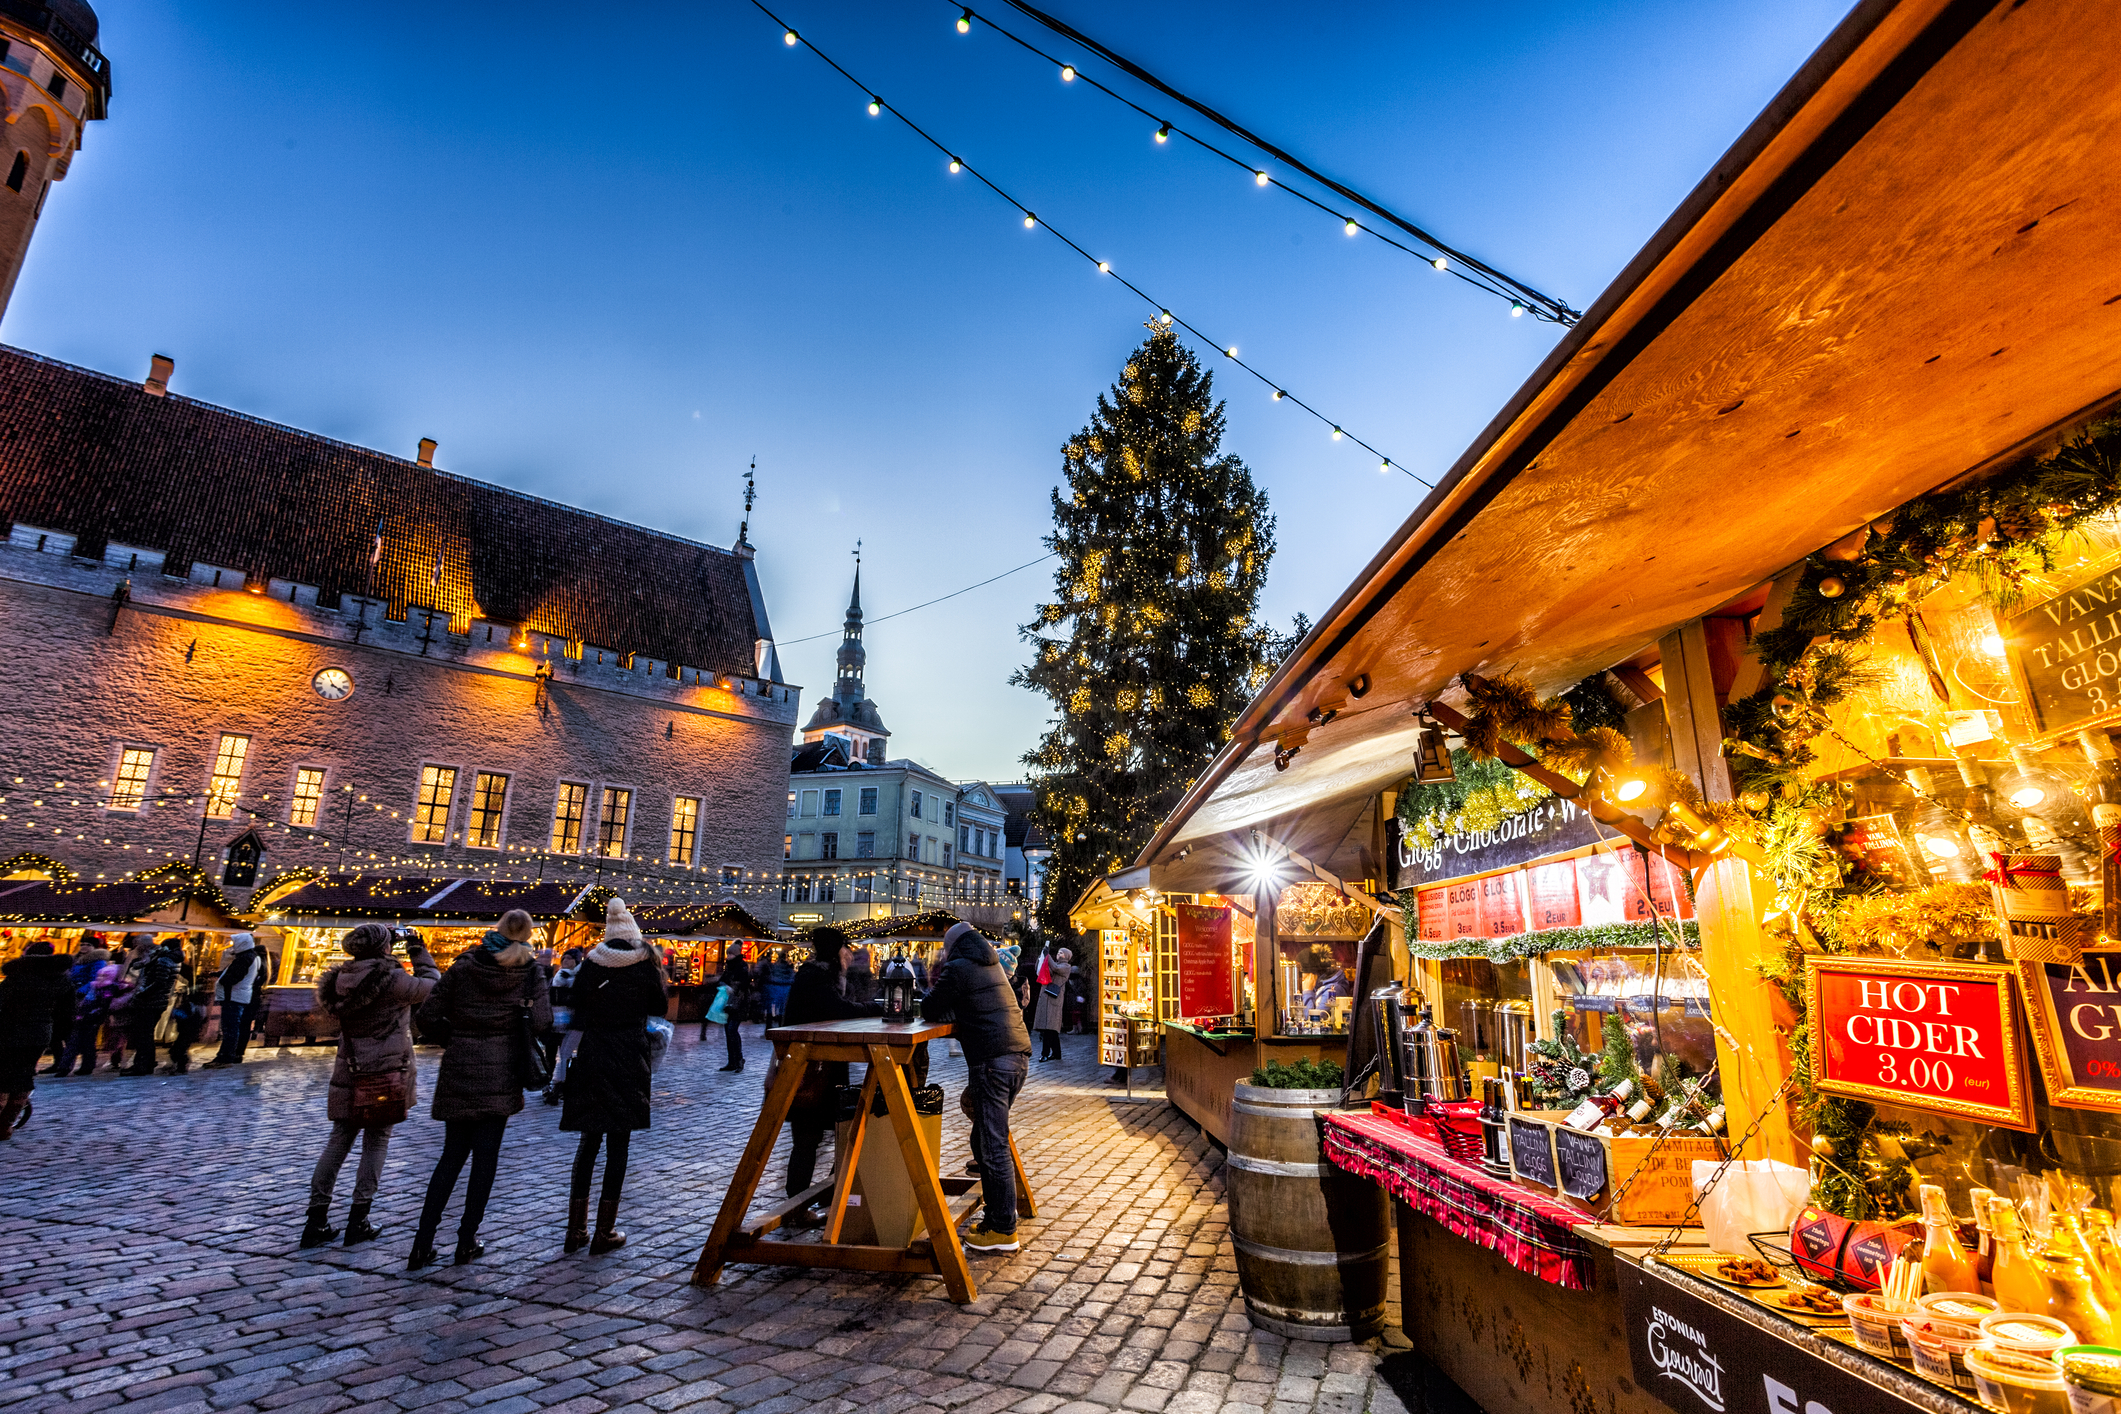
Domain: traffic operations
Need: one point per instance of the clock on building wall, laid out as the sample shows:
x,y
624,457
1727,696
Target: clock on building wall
x,y
332,683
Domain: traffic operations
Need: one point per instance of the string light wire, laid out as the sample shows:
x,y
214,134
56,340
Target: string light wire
x,y
1032,220
1542,306
1440,259
897,613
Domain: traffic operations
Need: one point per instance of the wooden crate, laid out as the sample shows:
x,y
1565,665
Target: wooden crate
x,y
1590,1168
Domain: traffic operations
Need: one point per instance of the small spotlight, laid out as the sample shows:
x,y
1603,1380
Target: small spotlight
x,y
1163,134
2025,798
1259,178
964,22
876,105
1633,788
1067,73
789,38
1029,220
956,164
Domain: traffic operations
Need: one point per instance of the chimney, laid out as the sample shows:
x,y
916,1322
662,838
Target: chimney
x,y
427,451
158,370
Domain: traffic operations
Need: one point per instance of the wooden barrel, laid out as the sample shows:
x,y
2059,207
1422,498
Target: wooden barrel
x,y
1313,1241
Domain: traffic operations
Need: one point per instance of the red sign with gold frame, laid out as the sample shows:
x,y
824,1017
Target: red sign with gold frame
x,y
1928,1036
2074,1012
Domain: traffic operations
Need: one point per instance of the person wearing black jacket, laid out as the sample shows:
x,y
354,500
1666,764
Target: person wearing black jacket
x,y
160,972
36,1004
973,994
619,986
819,993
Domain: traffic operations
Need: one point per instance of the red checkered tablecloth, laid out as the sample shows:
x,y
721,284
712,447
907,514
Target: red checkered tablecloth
x,y
1532,1232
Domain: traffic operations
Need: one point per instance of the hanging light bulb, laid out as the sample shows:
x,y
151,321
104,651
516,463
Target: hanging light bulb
x,y
1336,434
788,38
1440,263
1259,178
1516,309
1163,134
1167,316
1279,395
1029,220
964,22
876,105
1230,352
1104,267
956,165
1384,466
1067,73
1352,227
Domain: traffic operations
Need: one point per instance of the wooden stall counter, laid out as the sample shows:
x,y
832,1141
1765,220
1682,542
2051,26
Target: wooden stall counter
x,y
1201,1067
943,1203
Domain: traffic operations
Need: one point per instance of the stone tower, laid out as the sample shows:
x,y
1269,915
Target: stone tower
x,y
848,712
54,82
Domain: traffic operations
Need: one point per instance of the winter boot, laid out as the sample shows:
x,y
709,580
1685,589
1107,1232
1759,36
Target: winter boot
x,y
577,1222
318,1230
469,1249
358,1228
11,1108
608,1236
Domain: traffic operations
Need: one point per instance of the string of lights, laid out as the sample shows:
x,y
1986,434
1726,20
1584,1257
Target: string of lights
x,y
878,107
901,613
1438,257
1523,297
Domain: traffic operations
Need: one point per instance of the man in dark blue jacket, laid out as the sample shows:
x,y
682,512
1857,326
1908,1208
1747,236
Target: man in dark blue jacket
x,y
972,993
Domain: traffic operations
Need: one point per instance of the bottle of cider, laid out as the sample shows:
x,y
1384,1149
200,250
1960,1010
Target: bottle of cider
x,y
1946,1264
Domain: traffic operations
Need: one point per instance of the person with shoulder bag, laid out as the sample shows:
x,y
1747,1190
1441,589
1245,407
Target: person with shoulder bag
x,y
732,998
239,989
373,1083
154,991
491,1005
619,989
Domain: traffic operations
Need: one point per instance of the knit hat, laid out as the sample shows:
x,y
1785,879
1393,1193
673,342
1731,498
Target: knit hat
x,y
242,940
959,930
619,927
367,940
516,926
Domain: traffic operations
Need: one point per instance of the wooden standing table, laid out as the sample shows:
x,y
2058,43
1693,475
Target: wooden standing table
x,y
883,1046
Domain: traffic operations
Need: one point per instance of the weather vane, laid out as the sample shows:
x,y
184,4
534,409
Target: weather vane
x,y
751,491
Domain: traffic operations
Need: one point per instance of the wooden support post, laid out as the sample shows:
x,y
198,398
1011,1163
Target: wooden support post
x,y
749,1169
843,1185
921,1171
1751,1058
1026,1205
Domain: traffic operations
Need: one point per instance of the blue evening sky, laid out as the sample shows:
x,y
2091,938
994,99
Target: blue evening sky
x,y
609,255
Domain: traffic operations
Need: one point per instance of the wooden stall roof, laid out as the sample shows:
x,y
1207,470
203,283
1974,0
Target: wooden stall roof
x,y
931,924
50,904
699,920
360,896
1907,268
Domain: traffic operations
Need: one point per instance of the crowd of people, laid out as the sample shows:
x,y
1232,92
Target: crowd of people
x,y
585,1033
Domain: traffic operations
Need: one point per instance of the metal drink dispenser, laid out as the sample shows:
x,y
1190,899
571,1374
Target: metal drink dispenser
x,y
1433,1071
1514,1034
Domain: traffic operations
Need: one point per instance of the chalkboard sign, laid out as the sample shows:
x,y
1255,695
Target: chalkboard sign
x,y
2063,647
1531,1151
1581,1159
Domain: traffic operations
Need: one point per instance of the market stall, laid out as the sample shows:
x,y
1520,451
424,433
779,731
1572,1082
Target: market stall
x,y
311,912
1773,811
695,938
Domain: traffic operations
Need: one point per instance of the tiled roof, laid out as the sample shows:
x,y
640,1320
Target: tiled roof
x,y
97,458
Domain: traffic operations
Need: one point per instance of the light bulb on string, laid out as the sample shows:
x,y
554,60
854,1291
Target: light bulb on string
x,y
1516,309
1104,267
1167,316
1352,228
1230,352
1440,263
1384,466
1163,134
1279,395
1259,179
964,22
956,164
876,105
789,37
1067,73
1336,434
1029,220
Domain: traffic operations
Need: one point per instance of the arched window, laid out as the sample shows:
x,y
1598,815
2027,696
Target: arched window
x,y
16,173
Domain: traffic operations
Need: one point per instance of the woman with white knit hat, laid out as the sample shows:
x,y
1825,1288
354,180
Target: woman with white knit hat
x,y
618,987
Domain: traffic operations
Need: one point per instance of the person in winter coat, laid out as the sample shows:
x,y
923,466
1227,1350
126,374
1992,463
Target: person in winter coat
x,y
480,1004
736,976
562,987
240,989
188,1016
819,993
36,1003
780,977
973,994
861,978
1051,995
160,972
373,997
90,1010
620,986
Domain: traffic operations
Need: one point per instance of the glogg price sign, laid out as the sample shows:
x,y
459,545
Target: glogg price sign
x,y
1940,1037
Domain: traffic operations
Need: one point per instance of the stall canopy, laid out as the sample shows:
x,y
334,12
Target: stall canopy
x,y
699,920
931,924
1905,268
168,904
341,900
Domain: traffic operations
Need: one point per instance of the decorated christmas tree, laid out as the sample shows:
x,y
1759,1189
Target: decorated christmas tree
x,y
1148,648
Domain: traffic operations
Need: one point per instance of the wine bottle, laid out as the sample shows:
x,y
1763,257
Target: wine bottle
x,y
1946,1264
2021,1283
1985,1245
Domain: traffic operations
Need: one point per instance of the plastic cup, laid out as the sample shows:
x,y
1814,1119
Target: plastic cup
x,y
1875,1322
2092,1374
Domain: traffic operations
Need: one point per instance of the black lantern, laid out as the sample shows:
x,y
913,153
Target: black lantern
x,y
899,987
245,853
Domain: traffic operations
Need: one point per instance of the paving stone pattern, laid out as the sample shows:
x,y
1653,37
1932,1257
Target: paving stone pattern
x,y
148,1258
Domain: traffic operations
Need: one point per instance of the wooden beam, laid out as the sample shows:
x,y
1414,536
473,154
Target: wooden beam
x,y
1690,709
921,1172
843,1256
752,1166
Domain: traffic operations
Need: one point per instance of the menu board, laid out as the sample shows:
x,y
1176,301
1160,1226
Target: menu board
x,y
1581,1159
1501,904
2075,1011
1206,979
1550,896
2062,648
1464,903
1531,1151
1433,915
1940,1037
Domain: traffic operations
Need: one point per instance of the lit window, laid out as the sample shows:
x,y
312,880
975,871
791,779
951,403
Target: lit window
x,y
128,789
830,843
684,825
430,817
488,793
791,805
868,805
832,802
611,822
308,799
567,811
787,852
227,781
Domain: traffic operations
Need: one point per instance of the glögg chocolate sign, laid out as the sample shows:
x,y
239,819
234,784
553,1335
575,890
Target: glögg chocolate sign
x,y
1940,1036
2075,1010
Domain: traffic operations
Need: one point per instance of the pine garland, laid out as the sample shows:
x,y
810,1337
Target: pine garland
x,y
1519,946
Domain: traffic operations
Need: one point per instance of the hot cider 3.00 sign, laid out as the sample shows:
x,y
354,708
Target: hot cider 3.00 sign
x,y
1940,1037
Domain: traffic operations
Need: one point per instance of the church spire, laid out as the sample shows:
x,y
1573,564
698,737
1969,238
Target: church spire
x,y
852,656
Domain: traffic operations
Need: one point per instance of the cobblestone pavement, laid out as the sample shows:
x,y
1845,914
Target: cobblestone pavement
x,y
148,1258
